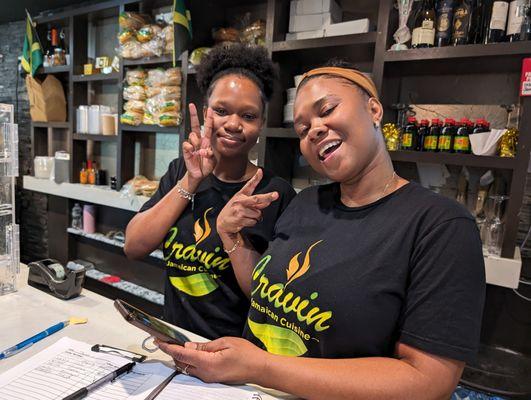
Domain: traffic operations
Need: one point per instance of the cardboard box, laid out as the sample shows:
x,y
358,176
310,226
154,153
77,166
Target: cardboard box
x,y
304,7
302,23
348,28
318,33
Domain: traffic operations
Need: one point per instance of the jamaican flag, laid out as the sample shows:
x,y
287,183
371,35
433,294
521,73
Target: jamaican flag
x,y
31,53
182,28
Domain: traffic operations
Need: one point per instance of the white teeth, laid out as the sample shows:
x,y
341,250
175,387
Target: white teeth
x,y
327,146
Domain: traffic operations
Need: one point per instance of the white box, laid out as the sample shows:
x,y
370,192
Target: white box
x,y
304,7
348,27
318,33
503,271
301,23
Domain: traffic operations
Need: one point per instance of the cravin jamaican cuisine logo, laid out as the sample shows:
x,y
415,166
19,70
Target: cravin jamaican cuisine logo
x,y
200,265
283,307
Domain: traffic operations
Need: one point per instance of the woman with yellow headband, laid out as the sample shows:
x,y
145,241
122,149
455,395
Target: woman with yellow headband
x,y
373,286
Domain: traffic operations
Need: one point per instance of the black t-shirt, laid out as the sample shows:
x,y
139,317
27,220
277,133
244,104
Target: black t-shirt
x,y
201,290
340,282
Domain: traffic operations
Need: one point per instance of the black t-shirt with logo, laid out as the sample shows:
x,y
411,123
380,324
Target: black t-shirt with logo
x,y
341,282
201,290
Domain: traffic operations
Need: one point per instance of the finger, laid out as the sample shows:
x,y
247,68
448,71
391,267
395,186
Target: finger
x,y
209,123
251,185
188,149
207,153
247,212
213,346
259,201
195,140
183,355
194,118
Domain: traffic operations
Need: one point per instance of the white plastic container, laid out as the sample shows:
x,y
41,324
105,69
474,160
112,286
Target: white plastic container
x,y
43,167
94,123
82,119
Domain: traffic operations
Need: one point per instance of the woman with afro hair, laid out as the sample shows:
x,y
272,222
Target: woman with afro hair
x,y
202,292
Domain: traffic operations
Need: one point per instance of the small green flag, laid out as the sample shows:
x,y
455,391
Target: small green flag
x,y
182,28
32,56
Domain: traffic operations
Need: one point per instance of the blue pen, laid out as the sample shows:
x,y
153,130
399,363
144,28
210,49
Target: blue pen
x,y
39,336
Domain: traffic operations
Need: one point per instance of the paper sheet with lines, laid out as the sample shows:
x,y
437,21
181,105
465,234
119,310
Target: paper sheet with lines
x,y
69,365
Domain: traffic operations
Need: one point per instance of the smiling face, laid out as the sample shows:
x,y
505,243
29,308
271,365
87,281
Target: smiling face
x,y
335,124
237,115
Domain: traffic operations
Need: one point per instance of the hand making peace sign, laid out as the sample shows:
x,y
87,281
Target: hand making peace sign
x,y
197,150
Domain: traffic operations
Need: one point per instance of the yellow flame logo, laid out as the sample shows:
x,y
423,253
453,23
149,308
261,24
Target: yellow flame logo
x,y
295,269
201,234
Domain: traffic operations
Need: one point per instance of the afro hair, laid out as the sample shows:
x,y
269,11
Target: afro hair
x,y
250,61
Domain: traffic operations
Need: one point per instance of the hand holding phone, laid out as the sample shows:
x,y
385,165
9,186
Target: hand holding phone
x,y
154,326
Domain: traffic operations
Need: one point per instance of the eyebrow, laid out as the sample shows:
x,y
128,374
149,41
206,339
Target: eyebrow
x,y
318,105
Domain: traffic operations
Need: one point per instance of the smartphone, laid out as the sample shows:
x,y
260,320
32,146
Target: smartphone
x,y
154,326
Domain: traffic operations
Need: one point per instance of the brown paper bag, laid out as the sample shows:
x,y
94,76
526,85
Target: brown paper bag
x,y
47,99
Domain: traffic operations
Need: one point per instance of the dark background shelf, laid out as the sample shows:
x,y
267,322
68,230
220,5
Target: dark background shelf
x,y
147,61
96,77
346,40
98,138
470,160
152,128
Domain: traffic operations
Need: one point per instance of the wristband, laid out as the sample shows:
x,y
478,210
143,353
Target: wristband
x,y
233,249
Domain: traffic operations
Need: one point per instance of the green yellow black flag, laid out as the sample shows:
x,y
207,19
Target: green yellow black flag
x,y
182,28
32,56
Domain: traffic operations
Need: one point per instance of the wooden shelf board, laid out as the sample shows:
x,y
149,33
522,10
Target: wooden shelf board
x,y
37,124
96,77
54,70
168,58
464,51
97,138
151,128
331,41
454,159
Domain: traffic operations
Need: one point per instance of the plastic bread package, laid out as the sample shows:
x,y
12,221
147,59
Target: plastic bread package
x,y
132,20
134,92
136,77
131,118
164,92
170,119
135,106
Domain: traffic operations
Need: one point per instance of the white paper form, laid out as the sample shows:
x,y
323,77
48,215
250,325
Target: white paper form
x,y
69,365
185,387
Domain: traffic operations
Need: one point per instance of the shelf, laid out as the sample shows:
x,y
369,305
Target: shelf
x,y
464,51
100,237
454,159
151,128
102,195
96,138
286,133
37,124
54,70
168,58
331,41
114,76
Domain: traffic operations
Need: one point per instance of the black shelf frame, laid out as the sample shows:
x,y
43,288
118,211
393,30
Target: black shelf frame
x,y
114,76
96,138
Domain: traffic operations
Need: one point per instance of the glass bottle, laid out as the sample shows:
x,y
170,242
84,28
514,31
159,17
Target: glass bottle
x,y
495,227
462,20
525,32
515,20
91,172
408,140
424,31
445,15
497,21
77,217
83,174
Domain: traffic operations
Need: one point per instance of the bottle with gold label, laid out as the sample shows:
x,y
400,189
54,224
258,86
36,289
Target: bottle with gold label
x,y
445,15
462,141
432,138
461,24
410,135
424,30
446,138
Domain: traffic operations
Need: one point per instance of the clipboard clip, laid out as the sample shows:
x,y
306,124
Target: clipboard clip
x,y
130,355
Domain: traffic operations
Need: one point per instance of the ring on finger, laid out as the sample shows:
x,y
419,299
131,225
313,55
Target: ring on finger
x,y
185,370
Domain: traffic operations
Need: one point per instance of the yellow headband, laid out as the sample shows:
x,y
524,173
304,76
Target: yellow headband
x,y
352,75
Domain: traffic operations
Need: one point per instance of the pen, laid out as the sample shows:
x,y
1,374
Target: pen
x,y
83,392
39,336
